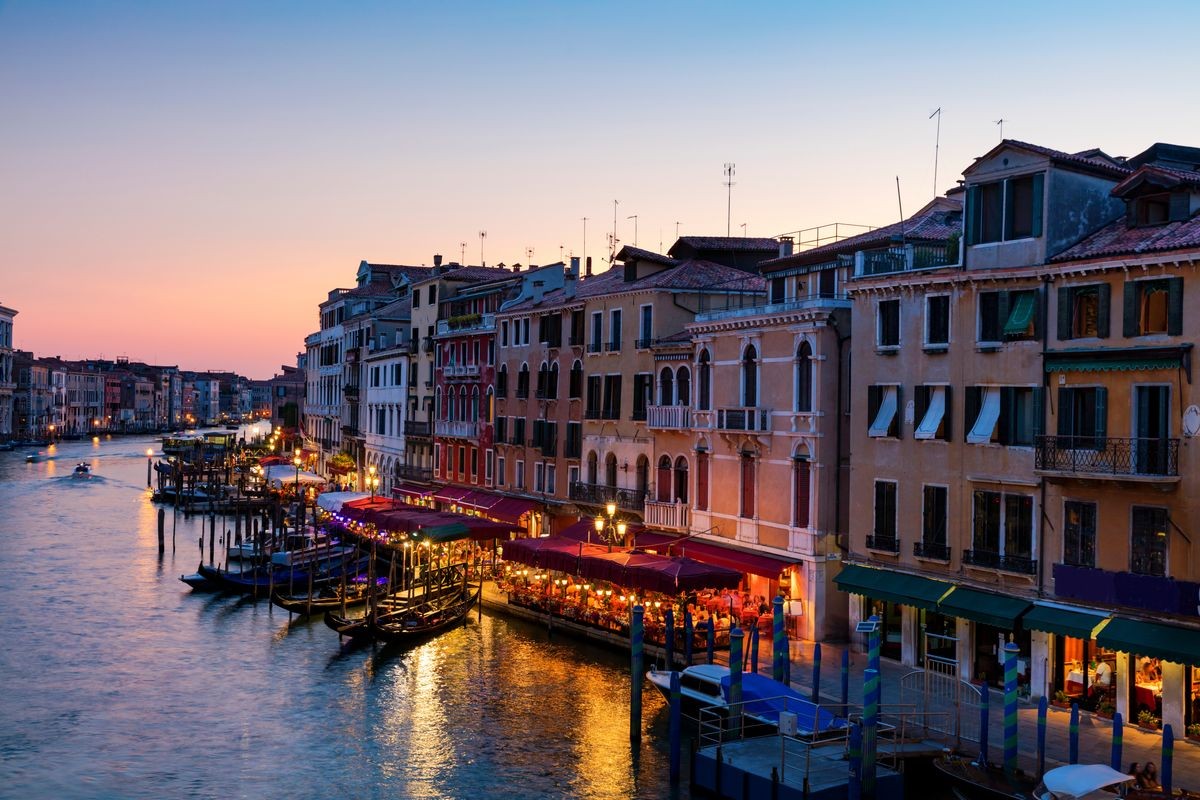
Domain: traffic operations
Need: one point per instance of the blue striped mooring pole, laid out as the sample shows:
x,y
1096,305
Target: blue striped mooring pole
x,y
816,674
1041,736
735,676
689,632
636,673
870,729
675,726
846,682
754,650
669,637
1011,651
854,786
1073,736
1118,737
777,642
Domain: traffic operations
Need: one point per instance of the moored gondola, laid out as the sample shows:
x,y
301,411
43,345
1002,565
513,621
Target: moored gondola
x,y
330,597
427,618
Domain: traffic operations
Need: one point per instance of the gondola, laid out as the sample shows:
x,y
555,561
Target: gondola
x,y
329,597
266,579
971,781
389,607
427,618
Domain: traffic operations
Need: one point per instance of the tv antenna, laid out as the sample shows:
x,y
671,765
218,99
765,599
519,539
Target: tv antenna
x,y
677,230
743,227
612,242
529,256
482,236
585,219
462,254
634,218
730,170
937,141
1001,122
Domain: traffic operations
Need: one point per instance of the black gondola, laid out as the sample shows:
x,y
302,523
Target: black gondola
x,y
427,618
971,781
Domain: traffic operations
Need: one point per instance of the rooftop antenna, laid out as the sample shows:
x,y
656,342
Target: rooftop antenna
x,y
634,218
482,236
1001,122
743,230
937,141
677,229
462,257
585,219
529,256
900,203
730,170
612,255
561,248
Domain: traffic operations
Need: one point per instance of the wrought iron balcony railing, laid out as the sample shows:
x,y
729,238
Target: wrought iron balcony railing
x,y
1107,456
887,544
933,550
985,558
597,495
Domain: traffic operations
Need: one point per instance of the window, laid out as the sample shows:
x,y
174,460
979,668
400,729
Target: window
x,y
884,531
642,394
887,323
804,378
1154,307
1149,541
539,477
523,382
1083,311
432,293
1082,417
1005,210
750,377
703,402
1079,533
937,319
1008,316
801,480
504,333
666,387
574,442
931,409
551,483
474,464
778,289
416,298
1003,531
462,460
525,331
612,397
575,387
520,477
614,330
552,382
610,470
572,475
747,473
882,403
597,332
577,327
681,480
1007,415
1153,210
592,410
933,521
593,468
683,386
663,480
646,326
501,463
702,480
501,428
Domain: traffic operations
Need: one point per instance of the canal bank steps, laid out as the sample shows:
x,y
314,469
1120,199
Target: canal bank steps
x,y
1095,733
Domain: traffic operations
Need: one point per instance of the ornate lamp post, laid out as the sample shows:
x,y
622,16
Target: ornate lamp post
x,y
299,498
372,480
609,529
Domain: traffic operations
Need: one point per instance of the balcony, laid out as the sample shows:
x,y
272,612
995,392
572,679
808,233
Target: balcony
x,y
467,323
1108,458
643,344
595,347
416,430
351,391
457,429
668,516
931,551
595,494
669,417
350,430
461,371
575,341
740,419
816,301
612,347
410,473
904,258
883,544
985,558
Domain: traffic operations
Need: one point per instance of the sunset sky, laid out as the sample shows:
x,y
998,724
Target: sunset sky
x,y
182,183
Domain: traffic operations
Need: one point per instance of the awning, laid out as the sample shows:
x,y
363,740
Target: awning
x,y
1021,314
1177,644
755,563
333,501
585,531
997,610
411,490
989,413
1118,359
896,587
451,494
511,509
1051,619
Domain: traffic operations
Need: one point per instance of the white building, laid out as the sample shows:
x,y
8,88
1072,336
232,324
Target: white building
x,y
7,377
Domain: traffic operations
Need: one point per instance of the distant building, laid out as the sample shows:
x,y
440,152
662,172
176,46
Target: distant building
x,y
8,380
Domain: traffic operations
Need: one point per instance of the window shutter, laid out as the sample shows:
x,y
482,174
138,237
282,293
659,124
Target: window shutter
x,y
1101,413
1039,412
1103,301
874,394
1064,412
1180,207
898,420
1005,423
1175,306
800,492
1002,309
947,417
1064,313
970,218
1130,326
970,410
1039,183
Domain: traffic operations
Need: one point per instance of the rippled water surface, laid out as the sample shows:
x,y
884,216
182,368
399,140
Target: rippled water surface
x,y
117,681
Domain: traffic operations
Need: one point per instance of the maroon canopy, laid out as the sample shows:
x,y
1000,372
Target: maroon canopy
x,y
676,575
618,567
550,552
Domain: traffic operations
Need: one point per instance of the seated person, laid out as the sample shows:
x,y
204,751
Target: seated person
x,y
1148,779
1103,677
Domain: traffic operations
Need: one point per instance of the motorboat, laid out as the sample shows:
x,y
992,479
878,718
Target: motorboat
x,y
306,548
1081,782
31,458
82,471
706,687
971,780
247,550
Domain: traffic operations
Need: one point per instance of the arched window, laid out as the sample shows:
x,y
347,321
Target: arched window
x,y
575,389
750,377
804,387
681,480
666,388
610,470
663,481
523,381
705,399
552,382
701,479
449,405
642,475
543,378
593,468
489,410
474,403
801,478
502,381
748,477
683,387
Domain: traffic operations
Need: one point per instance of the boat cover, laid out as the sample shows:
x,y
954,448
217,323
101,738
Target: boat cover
x,y
765,698
1080,780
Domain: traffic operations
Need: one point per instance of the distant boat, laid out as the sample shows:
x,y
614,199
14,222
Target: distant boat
x,y
31,458
82,470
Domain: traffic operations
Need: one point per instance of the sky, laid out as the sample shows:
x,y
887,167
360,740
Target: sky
x,y
184,182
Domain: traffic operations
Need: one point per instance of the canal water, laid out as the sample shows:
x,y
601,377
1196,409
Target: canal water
x,y
117,681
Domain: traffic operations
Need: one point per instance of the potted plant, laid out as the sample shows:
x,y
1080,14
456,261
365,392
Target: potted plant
x,y
1061,699
1147,720
1106,709
1193,731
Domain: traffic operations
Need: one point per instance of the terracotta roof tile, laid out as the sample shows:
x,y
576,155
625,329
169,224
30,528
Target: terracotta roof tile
x,y
727,243
1117,238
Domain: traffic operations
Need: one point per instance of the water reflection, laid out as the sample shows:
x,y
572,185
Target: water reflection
x,y
120,682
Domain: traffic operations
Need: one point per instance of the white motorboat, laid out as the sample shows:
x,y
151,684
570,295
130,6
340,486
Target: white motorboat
x,y
301,549
82,471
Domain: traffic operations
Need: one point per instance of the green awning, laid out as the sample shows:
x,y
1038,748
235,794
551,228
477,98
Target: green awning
x,y
1076,624
996,610
440,534
1109,365
1021,314
896,587
1118,359
1177,644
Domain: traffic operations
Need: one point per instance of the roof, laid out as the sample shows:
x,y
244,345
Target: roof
x,y
1165,177
724,243
1092,160
475,274
937,221
638,254
1117,238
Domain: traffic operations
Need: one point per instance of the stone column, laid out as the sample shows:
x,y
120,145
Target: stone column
x,y
1175,686
1041,651
1124,663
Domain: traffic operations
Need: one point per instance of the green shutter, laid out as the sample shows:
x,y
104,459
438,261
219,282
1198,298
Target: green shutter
x,y
1039,412
1023,312
1130,327
972,215
1101,412
1005,424
947,418
1003,300
1064,313
1039,182
971,410
1174,306
1064,412
1103,301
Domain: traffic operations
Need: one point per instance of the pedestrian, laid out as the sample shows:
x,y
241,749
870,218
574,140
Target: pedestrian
x,y
1149,779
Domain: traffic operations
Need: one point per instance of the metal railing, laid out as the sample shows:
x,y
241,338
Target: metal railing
x,y
1106,456
412,473
416,429
597,495
459,429
468,322
939,552
985,558
887,544
742,419
669,417
904,258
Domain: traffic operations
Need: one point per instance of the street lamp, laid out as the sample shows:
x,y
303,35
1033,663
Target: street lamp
x,y
299,497
372,480
149,457
609,529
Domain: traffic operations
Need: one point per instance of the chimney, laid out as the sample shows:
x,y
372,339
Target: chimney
x,y
437,259
539,290
517,267
785,246
574,270
570,281
589,266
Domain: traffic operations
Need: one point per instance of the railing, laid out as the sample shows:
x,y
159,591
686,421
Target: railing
x,y
349,430
548,448
820,300
743,419
1106,456
937,552
669,417
612,347
459,429
575,341
416,429
595,347
597,495
904,258
887,544
461,370
350,390
469,322
412,473
667,515
591,413
985,558
643,344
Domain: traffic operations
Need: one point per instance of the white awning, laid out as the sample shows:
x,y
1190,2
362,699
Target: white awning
x,y
989,413
887,411
280,475
333,501
932,420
